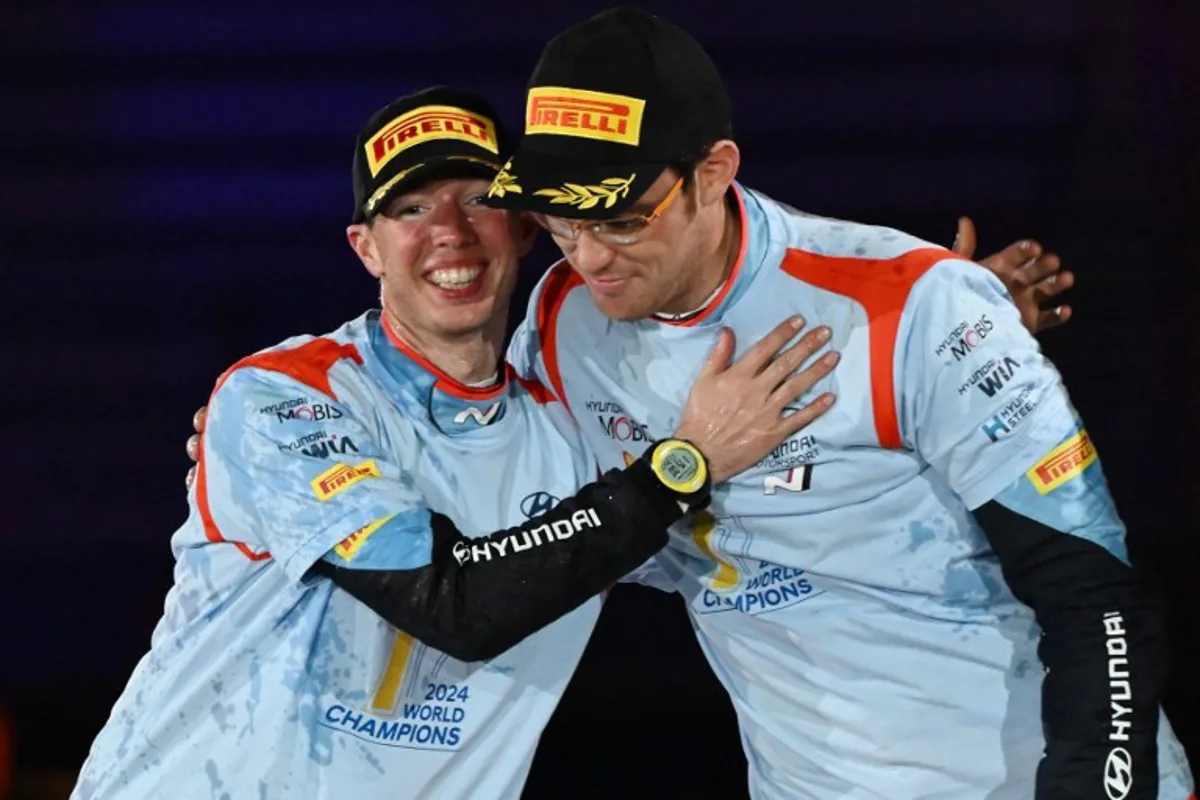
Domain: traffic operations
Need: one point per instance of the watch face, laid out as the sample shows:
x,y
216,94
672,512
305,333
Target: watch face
x,y
680,467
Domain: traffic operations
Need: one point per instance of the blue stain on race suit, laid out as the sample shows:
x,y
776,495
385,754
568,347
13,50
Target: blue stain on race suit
x,y
264,682
841,589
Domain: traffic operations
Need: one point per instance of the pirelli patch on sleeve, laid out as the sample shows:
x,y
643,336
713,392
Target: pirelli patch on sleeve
x,y
341,477
1063,463
349,547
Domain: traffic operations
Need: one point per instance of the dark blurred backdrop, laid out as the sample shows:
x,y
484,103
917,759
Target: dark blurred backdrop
x,y
174,185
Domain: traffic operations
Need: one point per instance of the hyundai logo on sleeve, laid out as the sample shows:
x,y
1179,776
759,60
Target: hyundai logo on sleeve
x,y
537,503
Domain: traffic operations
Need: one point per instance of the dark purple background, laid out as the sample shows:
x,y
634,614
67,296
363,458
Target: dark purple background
x,y
173,193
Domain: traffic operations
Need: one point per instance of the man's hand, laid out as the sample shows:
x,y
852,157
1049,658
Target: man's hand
x,y
193,443
1031,276
737,414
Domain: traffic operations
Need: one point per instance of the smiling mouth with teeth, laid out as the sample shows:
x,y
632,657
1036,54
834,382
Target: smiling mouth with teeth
x,y
454,277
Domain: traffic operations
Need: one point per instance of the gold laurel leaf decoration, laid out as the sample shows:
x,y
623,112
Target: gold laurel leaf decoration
x,y
586,196
503,183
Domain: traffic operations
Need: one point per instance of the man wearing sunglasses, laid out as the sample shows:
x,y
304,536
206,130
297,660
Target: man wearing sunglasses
x,y
926,593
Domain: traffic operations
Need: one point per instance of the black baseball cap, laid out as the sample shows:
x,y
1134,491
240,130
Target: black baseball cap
x,y
432,134
613,101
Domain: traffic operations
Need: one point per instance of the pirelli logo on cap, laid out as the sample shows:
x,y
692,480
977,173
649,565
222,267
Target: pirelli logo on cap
x,y
347,548
341,477
1063,463
588,115
424,124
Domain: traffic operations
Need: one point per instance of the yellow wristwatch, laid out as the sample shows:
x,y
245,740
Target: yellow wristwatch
x,y
682,470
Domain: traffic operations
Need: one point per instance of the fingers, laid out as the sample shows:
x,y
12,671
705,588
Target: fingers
x,y
1044,279
1056,284
964,239
805,380
1045,288
193,444
1039,268
1031,276
757,357
805,416
1026,252
791,359
1045,275
1052,318
1008,262
718,359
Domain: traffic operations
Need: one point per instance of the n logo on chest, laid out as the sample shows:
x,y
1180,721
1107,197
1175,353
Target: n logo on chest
x,y
796,479
481,417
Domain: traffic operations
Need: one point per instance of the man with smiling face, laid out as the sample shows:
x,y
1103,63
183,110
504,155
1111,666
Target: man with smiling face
x,y
926,593
377,593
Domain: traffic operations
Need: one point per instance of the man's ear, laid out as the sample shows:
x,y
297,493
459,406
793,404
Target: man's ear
x,y
362,242
716,173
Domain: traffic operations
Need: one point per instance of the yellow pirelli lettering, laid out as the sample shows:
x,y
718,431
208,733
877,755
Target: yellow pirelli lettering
x,y
347,548
562,111
1063,463
726,576
387,696
341,477
425,124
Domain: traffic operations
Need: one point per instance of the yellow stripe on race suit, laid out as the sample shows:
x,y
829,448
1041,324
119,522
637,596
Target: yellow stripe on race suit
x,y
726,576
387,695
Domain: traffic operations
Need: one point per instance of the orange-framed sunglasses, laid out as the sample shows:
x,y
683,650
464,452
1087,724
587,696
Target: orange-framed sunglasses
x,y
618,231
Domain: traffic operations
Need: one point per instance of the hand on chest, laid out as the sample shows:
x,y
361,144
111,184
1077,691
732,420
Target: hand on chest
x,y
625,397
